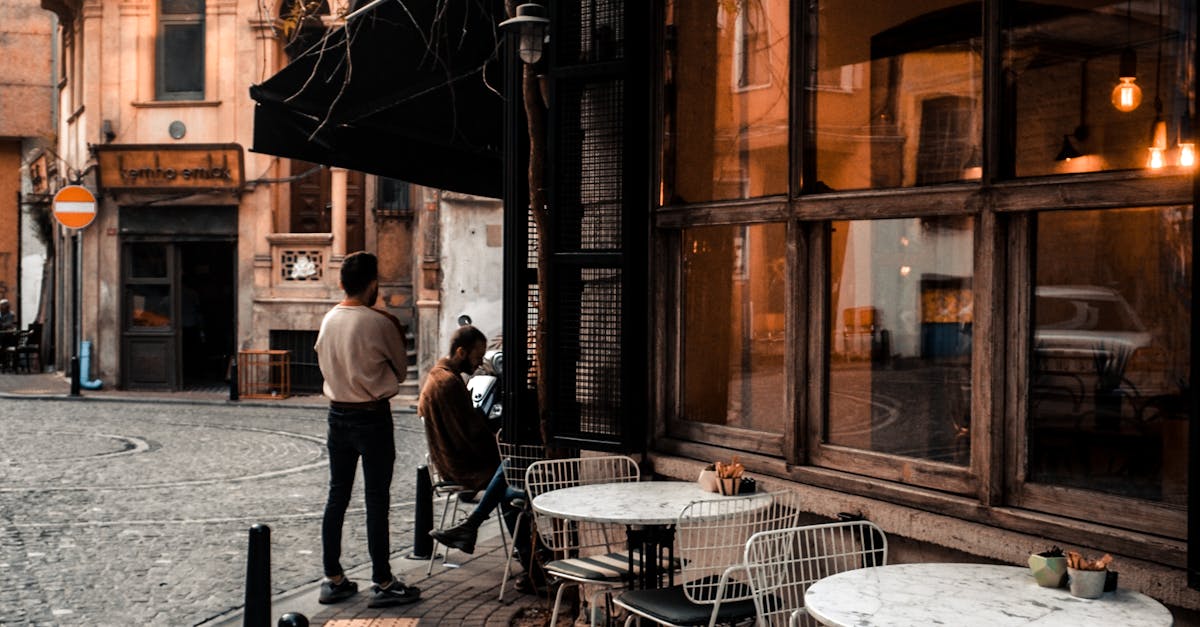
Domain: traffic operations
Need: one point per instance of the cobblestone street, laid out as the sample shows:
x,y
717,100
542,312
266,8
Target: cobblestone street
x,y
129,513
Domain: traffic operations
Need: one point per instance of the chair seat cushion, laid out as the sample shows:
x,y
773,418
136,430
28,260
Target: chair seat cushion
x,y
671,605
607,567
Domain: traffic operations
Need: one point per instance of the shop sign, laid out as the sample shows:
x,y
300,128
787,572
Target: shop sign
x,y
170,167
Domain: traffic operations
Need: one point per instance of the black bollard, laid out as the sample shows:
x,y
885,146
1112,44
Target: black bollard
x,y
74,374
293,619
258,578
233,379
423,516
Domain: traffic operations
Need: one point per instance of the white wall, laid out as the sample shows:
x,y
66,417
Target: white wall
x,y
472,270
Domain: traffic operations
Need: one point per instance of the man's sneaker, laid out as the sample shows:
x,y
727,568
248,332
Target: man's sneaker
x,y
461,537
395,594
337,592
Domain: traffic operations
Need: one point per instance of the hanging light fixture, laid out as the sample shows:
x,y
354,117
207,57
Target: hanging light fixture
x,y
1068,151
531,25
1158,130
1187,143
1126,96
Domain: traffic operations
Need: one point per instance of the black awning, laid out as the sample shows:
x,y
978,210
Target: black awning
x,y
408,91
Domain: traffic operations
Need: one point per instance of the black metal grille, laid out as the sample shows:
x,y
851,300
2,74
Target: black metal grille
x,y
588,350
305,372
590,31
589,199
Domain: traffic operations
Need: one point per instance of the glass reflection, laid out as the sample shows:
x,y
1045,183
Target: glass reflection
x,y
1108,387
898,93
733,320
725,82
149,306
148,261
900,350
1064,60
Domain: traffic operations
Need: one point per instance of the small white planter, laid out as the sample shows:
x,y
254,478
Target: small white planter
x,y
1087,584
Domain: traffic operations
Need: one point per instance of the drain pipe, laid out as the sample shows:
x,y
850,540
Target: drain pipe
x,y
85,364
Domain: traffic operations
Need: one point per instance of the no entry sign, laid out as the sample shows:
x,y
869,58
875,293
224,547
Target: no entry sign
x,y
74,207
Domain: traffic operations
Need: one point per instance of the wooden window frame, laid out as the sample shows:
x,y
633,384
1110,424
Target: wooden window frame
x,y
160,54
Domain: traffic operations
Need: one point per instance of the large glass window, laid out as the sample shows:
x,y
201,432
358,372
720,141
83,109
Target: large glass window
x,y
898,93
733,340
180,71
726,99
900,351
1111,319
1064,60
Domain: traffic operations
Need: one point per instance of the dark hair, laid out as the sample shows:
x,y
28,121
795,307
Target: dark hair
x,y
466,337
358,270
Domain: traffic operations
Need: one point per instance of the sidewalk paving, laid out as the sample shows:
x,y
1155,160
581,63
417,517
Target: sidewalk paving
x,y
466,595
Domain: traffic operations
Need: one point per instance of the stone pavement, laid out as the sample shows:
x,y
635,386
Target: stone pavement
x,y
466,595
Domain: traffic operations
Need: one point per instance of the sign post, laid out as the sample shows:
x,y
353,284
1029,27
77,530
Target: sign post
x,y
75,208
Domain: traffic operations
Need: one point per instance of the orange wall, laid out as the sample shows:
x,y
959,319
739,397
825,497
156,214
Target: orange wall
x,y
10,184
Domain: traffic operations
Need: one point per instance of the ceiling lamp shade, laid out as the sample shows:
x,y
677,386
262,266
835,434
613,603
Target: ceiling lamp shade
x,y
1068,150
531,25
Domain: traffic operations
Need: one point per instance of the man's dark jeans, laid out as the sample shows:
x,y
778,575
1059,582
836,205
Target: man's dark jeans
x,y
499,494
355,433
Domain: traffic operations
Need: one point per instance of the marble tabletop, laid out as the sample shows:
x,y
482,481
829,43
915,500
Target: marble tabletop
x,y
641,503
968,594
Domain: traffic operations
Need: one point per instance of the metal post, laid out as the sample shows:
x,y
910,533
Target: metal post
x,y
233,379
77,293
258,578
423,516
293,619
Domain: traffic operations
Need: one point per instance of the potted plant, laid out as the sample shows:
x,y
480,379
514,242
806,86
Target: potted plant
x,y
708,478
1087,577
729,476
1049,568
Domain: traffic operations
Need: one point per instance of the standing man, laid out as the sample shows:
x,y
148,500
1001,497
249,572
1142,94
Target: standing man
x,y
363,358
463,448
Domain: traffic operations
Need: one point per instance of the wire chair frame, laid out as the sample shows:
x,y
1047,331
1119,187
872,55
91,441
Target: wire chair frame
x,y
711,537
578,538
516,459
449,491
782,564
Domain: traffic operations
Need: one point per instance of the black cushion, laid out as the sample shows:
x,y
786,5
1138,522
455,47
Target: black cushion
x,y
671,605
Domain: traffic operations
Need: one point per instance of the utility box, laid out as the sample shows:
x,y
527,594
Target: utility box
x,y
264,374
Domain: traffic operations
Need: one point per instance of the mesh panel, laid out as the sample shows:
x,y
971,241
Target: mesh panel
x,y
589,31
590,180
589,331
531,323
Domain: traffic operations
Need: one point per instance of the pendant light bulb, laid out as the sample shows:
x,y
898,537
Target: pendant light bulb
x,y
1187,155
1127,96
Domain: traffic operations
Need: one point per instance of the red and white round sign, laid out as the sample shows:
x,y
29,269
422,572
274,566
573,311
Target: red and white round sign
x,y
74,207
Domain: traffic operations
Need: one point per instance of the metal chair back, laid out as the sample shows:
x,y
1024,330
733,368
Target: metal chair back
x,y
573,537
783,563
711,538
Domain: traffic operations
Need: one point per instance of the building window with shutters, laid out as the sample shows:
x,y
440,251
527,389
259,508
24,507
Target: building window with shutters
x,y
179,66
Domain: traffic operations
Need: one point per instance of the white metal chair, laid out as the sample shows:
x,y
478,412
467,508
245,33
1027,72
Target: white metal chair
x,y
594,552
516,459
782,564
454,494
711,536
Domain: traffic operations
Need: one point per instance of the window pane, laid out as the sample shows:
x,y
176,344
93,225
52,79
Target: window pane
x,y
733,340
726,107
149,306
1063,59
148,261
183,57
1111,314
182,7
898,91
901,322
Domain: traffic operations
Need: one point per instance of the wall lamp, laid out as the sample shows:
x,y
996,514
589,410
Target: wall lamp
x,y
532,26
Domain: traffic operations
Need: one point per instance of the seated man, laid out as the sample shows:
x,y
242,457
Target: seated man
x,y
463,447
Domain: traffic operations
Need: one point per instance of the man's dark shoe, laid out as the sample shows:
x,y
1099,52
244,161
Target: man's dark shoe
x,y
337,592
395,594
461,537
526,585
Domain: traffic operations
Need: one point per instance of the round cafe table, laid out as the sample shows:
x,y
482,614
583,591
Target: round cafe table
x,y
648,509
898,595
